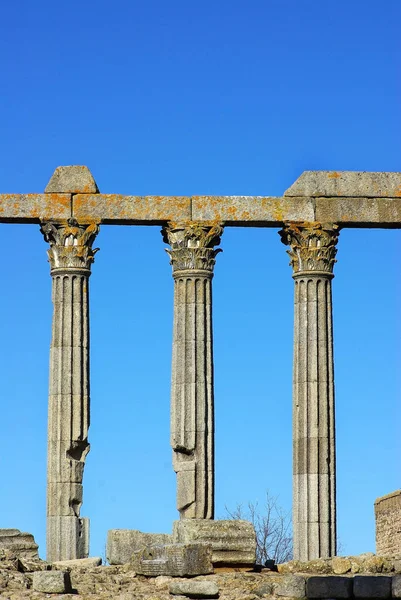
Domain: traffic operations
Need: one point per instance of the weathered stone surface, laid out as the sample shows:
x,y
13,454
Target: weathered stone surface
x,y
194,589
251,210
329,587
115,208
359,212
122,543
20,543
312,254
292,586
233,542
347,183
34,208
388,524
67,537
176,560
51,582
193,257
366,586
78,563
73,179
396,586
341,565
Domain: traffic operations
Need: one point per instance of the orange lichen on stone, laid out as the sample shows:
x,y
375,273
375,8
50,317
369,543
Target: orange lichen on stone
x,y
334,175
34,207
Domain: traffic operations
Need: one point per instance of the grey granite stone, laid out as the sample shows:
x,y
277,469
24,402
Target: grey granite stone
x,y
34,208
22,544
347,183
329,587
193,257
176,560
194,589
73,179
122,543
233,542
396,586
372,586
78,563
51,582
292,586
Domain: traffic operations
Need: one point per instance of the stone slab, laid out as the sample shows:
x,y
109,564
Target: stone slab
x,y
131,210
122,543
347,183
359,212
175,560
72,179
78,563
233,542
51,582
251,210
372,586
34,208
21,543
331,586
194,589
396,586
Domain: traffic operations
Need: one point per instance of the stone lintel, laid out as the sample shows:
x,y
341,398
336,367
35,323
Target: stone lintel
x,y
34,208
360,184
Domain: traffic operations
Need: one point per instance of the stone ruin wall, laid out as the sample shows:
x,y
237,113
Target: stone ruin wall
x,y
388,524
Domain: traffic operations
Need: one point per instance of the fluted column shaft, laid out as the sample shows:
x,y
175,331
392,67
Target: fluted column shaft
x,y
192,402
70,256
313,250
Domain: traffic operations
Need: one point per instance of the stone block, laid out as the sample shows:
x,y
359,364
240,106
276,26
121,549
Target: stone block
x,y
78,563
130,210
34,208
388,524
251,210
122,543
51,582
396,586
20,543
292,586
194,589
358,212
176,560
330,586
346,183
72,179
372,586
233,542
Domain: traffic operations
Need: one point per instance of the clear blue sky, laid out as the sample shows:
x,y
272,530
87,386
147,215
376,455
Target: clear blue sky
x,y
222,97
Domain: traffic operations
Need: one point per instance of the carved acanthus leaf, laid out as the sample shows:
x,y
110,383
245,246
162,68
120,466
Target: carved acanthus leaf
x,y
192,246
312,246
70,244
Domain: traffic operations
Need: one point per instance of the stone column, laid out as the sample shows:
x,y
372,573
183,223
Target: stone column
x,y
312,252
192,257
70,257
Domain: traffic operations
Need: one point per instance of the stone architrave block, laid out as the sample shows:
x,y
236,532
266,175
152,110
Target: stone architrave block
x,y
233,542
396,586
194,589
358,212
34,208
122,543
51,582
347,184
73,179
329,587
22,544
116,208
251,210
175,560
372,586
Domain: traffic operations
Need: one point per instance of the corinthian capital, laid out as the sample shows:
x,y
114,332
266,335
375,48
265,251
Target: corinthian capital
x,y
312,246
192,245
70,244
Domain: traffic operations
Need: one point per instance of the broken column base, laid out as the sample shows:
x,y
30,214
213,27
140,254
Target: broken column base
x,y
22,544
67,538
122,543
233,542
175,560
